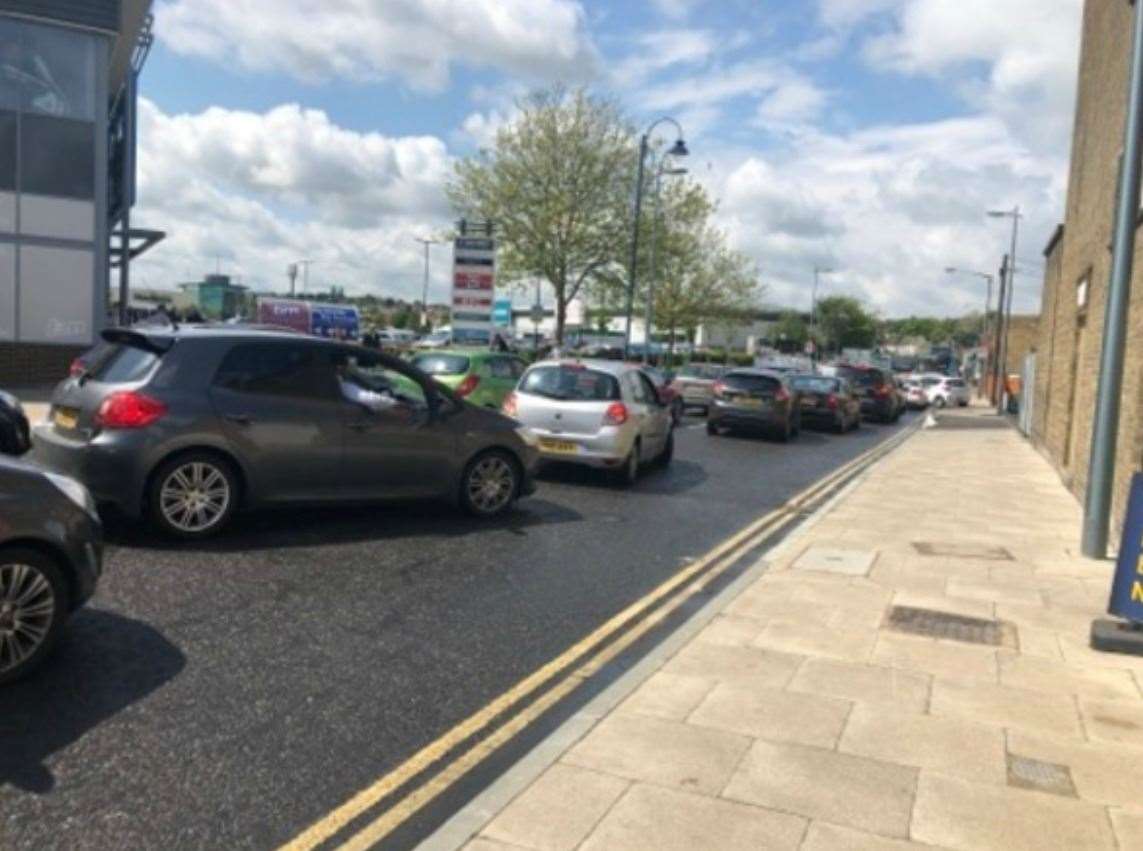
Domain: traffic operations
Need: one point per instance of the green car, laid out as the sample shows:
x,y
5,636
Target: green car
x,y
480,376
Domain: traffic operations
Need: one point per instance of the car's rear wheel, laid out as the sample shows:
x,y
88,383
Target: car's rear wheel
x,y
194,495
678,410
939,402
490,484
668,450
33,607
628,474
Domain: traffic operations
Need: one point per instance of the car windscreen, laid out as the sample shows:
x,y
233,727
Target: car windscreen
x,y
744,383
442,364
122,364
571,383
811,384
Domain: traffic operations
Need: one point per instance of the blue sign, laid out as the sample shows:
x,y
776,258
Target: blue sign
x,y
329,320
502,312
1127,587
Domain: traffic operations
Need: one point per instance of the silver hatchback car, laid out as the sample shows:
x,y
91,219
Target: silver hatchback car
x,y
603,414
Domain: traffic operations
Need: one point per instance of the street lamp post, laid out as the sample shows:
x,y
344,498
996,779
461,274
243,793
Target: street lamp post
x,y
679,149
650,312
1005,310
952,270
818,272
426,241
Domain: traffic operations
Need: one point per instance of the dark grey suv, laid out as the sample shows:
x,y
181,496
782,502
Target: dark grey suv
x,y
187,425
50,559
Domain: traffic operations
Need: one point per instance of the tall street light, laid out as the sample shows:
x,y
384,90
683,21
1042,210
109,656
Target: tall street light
x,y
426,241
818,272
1105,428
1005,310
679,149
650,313
952,270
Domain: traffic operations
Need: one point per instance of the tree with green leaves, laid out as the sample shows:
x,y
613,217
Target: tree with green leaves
x,y
556,185
843,323
791,329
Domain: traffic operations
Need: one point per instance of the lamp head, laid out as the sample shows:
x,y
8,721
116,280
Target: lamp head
x,y
679,149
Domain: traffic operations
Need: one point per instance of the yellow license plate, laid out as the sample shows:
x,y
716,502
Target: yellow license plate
x,y
747,402
66,420
563,447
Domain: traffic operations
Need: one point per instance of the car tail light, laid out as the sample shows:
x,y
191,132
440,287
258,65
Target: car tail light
x,y
469,384
831,402
509,405
881,391
616,414
76,369
719,388
127,409
782,395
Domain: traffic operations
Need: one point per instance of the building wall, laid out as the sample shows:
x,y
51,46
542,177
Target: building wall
x,y
1071,330
1046,366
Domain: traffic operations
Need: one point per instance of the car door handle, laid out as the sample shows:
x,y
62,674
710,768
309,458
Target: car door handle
x,y
239,419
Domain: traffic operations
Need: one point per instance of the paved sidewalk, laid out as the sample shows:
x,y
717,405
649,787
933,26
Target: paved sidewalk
x,y
799,719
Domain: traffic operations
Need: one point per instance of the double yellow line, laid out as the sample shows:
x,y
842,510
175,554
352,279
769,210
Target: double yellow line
x,y
571,668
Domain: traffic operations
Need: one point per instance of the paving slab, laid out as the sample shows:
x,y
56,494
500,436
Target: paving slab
x,y
1103,772
1114,721
773,714
863,683
666,695
942,659
1021,709
823,836
1037,674
727,664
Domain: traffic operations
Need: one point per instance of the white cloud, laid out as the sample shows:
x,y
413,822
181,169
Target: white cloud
x,y
674,9
795,101
368,40
258,191
661,49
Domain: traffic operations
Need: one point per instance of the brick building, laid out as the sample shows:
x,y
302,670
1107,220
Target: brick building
x,y
1077,268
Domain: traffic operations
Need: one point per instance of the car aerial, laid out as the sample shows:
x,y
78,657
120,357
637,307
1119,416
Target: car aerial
x,y
695,383
757,400
479,376
916,399
603,414
827,401
187,425
943,391
50,561
14,432
877,388
667,392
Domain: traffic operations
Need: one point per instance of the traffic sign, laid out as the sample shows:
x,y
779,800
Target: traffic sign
x,y
502,312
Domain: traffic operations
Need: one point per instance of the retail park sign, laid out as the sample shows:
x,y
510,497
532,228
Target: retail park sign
x,y
473,282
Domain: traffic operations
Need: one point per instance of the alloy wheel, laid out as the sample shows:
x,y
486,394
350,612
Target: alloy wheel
x,y
27,609
194,497
491,484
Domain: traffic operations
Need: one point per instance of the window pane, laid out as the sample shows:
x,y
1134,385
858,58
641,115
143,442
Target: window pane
x,y
441,364
7,148
571,383
277,370
54,71
7,291
56,295
125,364
57,157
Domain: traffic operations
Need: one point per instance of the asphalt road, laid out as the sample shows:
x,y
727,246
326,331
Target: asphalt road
x,y
228,695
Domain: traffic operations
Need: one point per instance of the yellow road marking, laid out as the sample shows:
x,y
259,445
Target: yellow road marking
x,y
741,541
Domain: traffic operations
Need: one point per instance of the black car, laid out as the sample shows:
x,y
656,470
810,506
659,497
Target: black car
x,y
14,433
188,425
877,388
828,402
50,560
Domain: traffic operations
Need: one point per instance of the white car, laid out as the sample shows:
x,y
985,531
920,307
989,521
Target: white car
x,y
604,414
945,391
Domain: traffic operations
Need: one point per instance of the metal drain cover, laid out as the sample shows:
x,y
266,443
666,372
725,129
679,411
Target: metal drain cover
x,y
1028,773
952,627
936,548
833,560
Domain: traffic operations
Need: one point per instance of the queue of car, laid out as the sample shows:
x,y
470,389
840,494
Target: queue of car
x,y
187,426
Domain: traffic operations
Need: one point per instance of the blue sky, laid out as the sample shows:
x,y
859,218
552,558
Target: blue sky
x,y
866,135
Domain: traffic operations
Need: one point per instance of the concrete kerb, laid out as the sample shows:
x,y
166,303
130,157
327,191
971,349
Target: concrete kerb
x,y
467,822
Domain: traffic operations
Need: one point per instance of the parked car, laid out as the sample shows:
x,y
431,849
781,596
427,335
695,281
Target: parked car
x,y
877,388
50,560
667,392
481,377
755,399
603,414
695,383
186,426
14,433
916,399
435,340
948,391
826,401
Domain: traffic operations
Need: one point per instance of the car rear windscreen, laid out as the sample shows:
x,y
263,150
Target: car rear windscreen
x,y
122,365
815,385
442,364
751,383
570,383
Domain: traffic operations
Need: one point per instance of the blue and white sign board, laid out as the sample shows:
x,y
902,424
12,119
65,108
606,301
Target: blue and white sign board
x,y
502,312
1127,587
473,281
336,321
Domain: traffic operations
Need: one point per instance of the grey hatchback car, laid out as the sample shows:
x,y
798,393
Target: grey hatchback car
x,y
755,399
50,559
187,425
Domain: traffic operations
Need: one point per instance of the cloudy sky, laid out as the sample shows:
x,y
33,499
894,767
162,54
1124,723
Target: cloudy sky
x,y
869,136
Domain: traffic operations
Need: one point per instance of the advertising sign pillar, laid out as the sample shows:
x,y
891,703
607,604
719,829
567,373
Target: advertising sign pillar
x,y
473,282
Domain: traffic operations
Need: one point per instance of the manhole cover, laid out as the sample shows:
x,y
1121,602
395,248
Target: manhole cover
x,y
1029,773
936,548
934,624
831,560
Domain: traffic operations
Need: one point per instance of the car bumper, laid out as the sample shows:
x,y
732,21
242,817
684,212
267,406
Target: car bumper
x,y
820,416
696,398
721,414
879,408
605,451
109,465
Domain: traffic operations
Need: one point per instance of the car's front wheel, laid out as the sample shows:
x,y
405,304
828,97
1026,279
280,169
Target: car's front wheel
x,y
490,484
33,607
194,495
